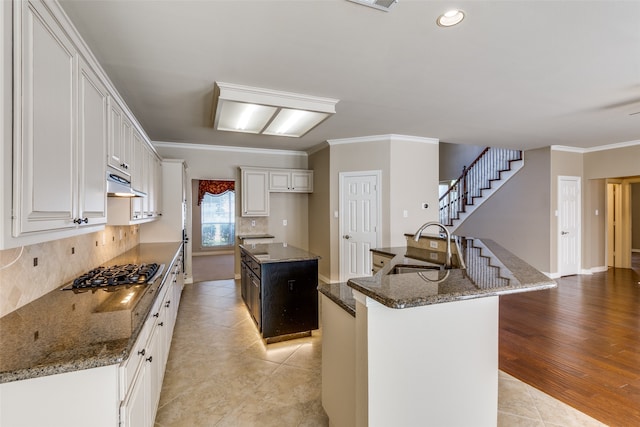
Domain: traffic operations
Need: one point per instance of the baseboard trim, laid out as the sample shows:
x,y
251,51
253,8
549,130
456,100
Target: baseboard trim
x,y
327,280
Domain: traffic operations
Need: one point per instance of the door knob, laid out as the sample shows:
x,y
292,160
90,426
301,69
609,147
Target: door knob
x,y
346,236
564,232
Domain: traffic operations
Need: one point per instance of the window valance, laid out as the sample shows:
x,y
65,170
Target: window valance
x,y
214,187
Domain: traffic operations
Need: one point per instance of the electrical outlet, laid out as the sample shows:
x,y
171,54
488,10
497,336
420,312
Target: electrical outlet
x,y
284,222
433,256
405,213
433,245
253,222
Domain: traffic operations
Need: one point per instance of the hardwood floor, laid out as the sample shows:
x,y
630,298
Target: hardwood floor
x,y
579,343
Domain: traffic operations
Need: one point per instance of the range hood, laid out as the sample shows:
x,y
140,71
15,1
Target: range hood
x,y
117,186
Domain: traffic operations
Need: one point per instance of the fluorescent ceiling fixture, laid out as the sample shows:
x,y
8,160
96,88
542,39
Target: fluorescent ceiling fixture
x,y
263,111
450,18
294,122
377,4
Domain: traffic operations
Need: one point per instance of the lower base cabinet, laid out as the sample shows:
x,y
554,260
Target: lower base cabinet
x,y
282,297
124,395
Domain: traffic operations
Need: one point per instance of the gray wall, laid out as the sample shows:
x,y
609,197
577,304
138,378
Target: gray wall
x,y
211,162
319,211
453,157
518,215
409,169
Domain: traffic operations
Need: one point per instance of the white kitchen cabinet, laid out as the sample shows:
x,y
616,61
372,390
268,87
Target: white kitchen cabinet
x,y
173,197
290,181
119,146
254,186
60,141
46,186
92,146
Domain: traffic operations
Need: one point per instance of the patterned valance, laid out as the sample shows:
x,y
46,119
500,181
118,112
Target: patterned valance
x,y
214,187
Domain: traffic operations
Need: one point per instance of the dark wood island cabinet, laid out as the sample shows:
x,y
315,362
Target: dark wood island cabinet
x,y
279,286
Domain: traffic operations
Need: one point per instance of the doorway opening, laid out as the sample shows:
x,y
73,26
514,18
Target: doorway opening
x,y
623,221
213,223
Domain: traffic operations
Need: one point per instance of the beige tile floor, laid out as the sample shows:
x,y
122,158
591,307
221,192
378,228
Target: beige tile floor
x,y
220,373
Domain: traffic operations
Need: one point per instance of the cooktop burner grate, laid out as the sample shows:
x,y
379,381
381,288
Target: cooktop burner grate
x,y
128,274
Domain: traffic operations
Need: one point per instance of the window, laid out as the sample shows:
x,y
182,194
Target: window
x,y
217,213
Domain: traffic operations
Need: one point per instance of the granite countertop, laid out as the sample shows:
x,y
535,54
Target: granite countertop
x,y
265,253
65,331
489,270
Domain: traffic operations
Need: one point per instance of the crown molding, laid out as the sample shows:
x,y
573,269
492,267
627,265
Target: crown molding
x,y
594,149
206,147
317,148
383,138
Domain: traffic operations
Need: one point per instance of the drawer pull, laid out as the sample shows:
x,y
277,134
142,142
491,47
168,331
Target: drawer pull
x,y
149,359
142,352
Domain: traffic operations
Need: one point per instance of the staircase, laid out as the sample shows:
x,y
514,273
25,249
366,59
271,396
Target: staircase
x,y
488,172
482,267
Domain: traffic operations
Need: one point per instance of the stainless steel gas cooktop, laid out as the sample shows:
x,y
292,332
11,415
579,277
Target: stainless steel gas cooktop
x,y
116,276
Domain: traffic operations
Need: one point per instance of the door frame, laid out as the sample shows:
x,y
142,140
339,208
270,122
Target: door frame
x,y
559,225
341,207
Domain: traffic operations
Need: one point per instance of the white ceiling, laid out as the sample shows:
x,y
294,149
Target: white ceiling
x,y
520,74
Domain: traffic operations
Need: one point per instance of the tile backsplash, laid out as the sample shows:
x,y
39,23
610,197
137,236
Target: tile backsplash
x,y
30,272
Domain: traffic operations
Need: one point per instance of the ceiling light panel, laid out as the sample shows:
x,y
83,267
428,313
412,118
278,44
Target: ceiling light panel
x,y
255,110
294,123
242,117
377,4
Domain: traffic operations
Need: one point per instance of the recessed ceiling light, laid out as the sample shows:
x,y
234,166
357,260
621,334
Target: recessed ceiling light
x,y
264,111
450,18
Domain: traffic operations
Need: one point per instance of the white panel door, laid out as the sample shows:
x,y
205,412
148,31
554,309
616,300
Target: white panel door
x,y
360,221
569,231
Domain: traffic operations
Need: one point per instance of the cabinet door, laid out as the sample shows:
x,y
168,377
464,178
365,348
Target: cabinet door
x,y
134,410
289,297
115,157
92,147
255,192
279,181
302,181
45,80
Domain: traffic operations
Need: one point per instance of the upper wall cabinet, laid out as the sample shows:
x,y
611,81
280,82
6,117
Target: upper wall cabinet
x,y
120,134
257,183
67,123
290,180
254,186
60,129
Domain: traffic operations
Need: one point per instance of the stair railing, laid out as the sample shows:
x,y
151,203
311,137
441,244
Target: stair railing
x,y
475,178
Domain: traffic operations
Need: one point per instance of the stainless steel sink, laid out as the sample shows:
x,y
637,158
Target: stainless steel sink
x,y
409,268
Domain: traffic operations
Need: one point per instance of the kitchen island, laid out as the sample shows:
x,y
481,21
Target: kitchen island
x,y
279,286
416,343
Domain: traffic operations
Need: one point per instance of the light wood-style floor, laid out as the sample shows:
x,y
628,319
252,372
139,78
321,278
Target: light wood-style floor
x,y
579,343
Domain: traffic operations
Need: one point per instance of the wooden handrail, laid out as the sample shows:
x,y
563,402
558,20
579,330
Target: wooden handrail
x,y
486,168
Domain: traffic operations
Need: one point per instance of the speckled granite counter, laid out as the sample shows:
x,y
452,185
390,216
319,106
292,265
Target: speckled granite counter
x,y
64,331
265,253
490,270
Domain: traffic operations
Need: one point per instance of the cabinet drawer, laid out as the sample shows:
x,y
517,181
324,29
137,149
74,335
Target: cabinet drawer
x,y
379,260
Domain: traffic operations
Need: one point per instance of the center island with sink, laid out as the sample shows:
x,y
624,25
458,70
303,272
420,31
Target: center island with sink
x,y
416,343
